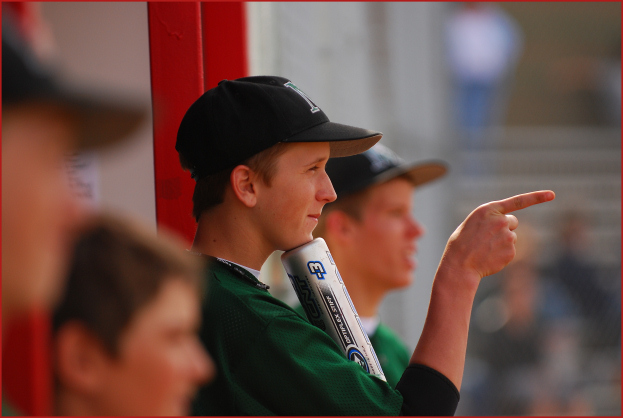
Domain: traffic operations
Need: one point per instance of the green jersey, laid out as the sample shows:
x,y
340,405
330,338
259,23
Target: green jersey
x,y
272,361
392,353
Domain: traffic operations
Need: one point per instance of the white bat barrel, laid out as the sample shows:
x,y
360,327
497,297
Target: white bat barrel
x,y
323,295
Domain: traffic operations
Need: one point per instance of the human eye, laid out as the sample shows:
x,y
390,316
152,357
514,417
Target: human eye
x,y
397,212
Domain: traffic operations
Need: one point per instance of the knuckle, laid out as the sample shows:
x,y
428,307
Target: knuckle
x,y
482,211
502,222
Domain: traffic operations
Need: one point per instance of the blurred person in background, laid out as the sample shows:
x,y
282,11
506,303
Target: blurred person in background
x,y
373,237
577,272
125,332
483,45
42,121
511,343
527,343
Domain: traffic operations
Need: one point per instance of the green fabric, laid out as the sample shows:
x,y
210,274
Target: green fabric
x,y
392,353
271,361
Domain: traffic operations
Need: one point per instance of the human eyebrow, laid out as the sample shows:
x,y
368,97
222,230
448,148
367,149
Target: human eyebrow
x,y
316,161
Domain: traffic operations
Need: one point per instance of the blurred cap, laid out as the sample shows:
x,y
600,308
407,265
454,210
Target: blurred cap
x,y
377,165
29,79
240,118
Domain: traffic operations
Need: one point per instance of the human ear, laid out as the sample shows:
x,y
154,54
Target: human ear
x,y
340,226
80,358
242,181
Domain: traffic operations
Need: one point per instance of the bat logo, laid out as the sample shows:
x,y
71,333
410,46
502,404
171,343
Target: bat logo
x,y
356,356
306,297
316,267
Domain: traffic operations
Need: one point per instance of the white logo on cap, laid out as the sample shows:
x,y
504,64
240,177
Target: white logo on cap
x,y
313,106
381,158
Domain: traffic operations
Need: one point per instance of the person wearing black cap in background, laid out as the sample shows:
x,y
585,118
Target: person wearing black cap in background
x,y
257,147
43,121
372,235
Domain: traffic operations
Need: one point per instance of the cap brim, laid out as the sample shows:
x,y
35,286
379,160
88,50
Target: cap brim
x,y
102,120
344,140
418,173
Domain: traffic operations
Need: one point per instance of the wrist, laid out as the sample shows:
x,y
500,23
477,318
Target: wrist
x,y
459,280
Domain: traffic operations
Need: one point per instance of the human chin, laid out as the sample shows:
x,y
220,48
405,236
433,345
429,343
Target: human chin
x,y
298,240
403,279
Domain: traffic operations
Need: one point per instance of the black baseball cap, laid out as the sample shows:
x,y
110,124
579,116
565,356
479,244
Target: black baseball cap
x,y
377,165
28,79
240,118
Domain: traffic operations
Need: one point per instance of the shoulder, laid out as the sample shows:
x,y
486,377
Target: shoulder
x,y
230,294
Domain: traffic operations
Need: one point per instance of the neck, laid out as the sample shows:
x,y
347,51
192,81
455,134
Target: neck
x,y
364,291
225,232
68,403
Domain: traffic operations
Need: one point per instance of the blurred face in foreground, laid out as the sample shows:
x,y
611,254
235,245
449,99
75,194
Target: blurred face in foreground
x,y
384,239
39,212
158,367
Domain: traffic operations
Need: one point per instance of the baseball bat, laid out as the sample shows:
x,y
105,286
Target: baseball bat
x,y
322,293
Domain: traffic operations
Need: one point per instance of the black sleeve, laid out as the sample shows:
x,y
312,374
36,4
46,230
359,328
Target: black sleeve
x,y
427,392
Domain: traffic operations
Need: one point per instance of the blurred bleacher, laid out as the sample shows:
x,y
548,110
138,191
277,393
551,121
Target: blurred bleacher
x,y
582,165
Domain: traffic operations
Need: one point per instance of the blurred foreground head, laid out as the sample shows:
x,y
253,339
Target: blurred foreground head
x,y
43,120
125,332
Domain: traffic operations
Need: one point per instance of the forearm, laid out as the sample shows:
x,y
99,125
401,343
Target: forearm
x,y
443,343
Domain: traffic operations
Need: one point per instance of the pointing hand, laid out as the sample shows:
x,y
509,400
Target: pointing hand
x,y
485,242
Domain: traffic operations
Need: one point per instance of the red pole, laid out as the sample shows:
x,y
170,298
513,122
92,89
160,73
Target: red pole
x,y
26,368
224,41
183,65
177,81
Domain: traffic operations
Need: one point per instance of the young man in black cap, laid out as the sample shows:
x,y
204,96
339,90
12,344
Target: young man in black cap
x,y
372,235
257,147
42,122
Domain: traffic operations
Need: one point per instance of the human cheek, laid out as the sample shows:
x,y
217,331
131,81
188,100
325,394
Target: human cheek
x,y
189,366
47,232
160,392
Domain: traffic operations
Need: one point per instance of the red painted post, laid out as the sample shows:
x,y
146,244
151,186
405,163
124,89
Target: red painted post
x,y
177,81
26,367
224,41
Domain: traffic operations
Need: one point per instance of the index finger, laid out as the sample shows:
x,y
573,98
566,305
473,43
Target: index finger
x,y
522,201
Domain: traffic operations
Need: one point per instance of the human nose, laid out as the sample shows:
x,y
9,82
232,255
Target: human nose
x,y
414,228
202,366
326,192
